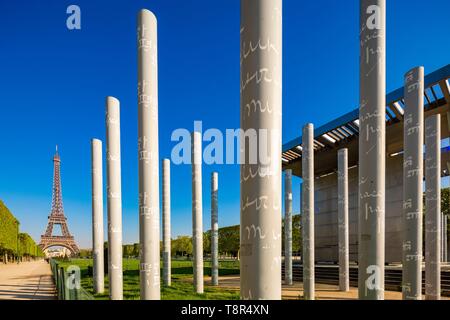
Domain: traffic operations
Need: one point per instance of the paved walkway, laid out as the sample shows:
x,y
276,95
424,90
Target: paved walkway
x,y
323,291
26,281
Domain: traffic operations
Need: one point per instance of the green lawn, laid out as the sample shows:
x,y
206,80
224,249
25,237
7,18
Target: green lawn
x,y
181,288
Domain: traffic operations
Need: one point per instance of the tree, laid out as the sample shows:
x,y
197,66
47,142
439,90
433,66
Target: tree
x,y
9,228
207,242
127,250
85,253
136,250
296,233
445,203
182,245
229,240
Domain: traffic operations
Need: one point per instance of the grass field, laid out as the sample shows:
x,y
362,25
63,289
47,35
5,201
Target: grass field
x,y
181,288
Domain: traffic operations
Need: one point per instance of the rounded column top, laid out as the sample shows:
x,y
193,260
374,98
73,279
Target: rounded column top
x,y
308,129
419,69
309,126
146,14
433,118
112,100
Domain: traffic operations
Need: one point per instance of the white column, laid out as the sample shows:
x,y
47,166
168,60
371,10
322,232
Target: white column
x,y
288,227
344,272
433,207
445,239
308,211
114,190
97,216
442,237
214,229
413,184
166,223
261,105
197,211
148,155
372,149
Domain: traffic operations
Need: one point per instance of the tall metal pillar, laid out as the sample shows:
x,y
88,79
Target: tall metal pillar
x,y
288,227
166,223
197,211
442,237
433,207
97,216
260,86
308,211
114,189
372,149
148,155
445,233
344,272
413,184
214,229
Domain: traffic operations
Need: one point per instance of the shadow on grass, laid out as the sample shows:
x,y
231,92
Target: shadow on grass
x,y
188,271
181,288
206,271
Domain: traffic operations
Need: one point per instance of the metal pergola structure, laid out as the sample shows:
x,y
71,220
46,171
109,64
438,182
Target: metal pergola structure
x,y
343,132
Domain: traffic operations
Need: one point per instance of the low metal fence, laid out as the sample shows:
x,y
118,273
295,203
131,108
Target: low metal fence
x,y
66,285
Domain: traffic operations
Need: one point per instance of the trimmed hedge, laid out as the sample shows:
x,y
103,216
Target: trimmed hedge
x,y
10,241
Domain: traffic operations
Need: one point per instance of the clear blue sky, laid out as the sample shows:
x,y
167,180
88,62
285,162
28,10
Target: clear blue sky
x,y
53,83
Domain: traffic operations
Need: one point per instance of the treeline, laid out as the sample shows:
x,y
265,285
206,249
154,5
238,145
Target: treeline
x,y
228,243
27,246
445,201
229,238
14,244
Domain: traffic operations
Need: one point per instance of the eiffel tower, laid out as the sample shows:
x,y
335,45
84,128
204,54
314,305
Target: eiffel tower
x,y
57,215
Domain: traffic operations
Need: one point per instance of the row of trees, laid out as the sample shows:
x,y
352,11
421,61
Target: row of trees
x,y
229,238
228,243
9,231
27,246
14,244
